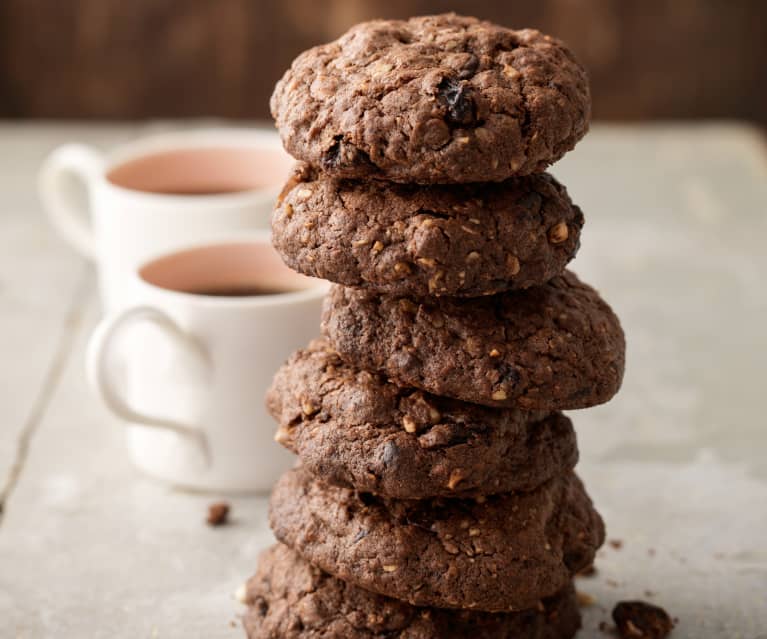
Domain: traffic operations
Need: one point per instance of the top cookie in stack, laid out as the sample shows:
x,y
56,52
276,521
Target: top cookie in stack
x,y
433,100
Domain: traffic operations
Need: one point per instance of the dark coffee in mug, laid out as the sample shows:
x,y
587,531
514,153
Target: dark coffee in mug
x,y
253,290
234,270
202,171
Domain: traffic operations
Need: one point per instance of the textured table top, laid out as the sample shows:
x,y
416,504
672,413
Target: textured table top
x,y
675,239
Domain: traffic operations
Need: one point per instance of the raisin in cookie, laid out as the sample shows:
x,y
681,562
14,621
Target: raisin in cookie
x,y
500,553
552,347
288,598
355,428
459,240
435,99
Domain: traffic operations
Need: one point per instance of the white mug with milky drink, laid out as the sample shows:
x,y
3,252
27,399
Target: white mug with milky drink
x,y
160,193
188,365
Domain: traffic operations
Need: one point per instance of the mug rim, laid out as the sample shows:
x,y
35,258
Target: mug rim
x,y
181,139
262,238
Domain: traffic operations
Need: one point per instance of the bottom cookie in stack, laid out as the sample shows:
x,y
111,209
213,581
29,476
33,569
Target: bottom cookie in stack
x,y
288,598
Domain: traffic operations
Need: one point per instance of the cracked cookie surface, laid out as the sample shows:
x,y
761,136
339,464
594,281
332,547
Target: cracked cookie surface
x,y
456,240
553,347
356,429
288,598
501,553
433,99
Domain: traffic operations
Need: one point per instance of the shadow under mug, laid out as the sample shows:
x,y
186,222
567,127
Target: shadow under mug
x,y
187,368
159,193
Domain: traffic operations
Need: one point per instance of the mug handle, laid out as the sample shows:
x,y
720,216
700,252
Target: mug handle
x,y
99,355
71,220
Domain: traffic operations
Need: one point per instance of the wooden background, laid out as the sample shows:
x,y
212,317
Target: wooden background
x,y
164,58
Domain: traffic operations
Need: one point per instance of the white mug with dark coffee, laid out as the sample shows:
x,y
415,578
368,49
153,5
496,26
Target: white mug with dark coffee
x,y
160,193
188,366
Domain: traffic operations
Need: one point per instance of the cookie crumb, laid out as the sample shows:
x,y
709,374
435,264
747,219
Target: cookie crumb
x,y
584,599
218,514
616,543
588,571
640,620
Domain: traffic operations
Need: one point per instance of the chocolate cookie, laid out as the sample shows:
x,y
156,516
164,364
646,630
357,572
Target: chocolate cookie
x,y
354,428
460,240
435,99
553,347
288,598
501,553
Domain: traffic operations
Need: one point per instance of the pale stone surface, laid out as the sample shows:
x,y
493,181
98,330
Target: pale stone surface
x,y
39,277
675,224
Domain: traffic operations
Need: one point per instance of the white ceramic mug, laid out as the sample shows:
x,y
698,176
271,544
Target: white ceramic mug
x,y
188,367
160,193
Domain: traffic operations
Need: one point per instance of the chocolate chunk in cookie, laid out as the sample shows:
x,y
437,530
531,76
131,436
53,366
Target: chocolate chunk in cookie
x,y
553,347
357,429
435,99
456,240
501,553
288,598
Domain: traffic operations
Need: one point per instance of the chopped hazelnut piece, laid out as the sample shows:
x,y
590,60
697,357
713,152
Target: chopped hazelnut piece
x,y
282,435
456,477
512,263
499,395
403,268
378,246
558,233
390,567
409,424
434,281
308,407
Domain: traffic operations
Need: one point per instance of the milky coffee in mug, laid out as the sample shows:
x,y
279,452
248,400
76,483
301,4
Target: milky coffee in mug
x,y
160,193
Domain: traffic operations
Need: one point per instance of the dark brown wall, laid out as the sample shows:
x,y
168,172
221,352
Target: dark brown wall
x,y
150,58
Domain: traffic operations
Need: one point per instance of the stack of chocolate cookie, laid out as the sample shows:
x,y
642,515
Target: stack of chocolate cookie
x,y
435,495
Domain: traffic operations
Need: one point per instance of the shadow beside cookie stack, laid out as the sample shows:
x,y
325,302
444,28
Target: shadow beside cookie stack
x,y
435,495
